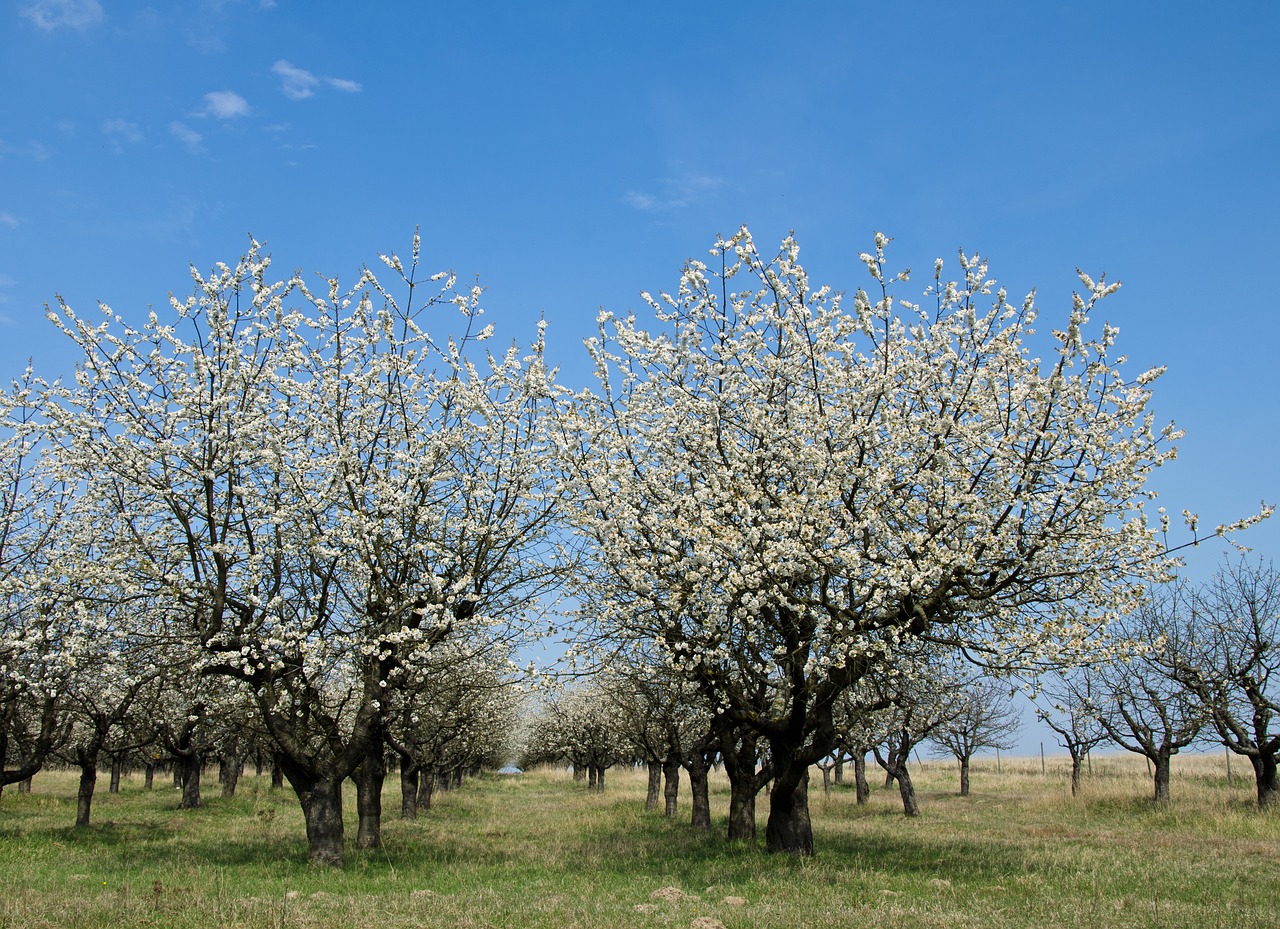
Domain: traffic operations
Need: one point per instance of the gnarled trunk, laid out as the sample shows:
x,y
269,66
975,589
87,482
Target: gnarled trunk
x,y
1163,766
1264,772
229,774
408,790
426,784
192,764
655,785
671,790
861,787
321,800
789,828
84,792
369,777
698,793
907,790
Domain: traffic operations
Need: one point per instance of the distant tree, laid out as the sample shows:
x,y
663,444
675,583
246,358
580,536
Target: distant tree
x,y
1234,665
1067,703
1140,702
983,716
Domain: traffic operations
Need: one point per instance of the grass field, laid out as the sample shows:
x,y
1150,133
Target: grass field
x,y
537,851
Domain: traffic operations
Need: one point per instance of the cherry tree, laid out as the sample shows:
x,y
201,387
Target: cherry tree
x,y
34,606
789,485
1141,704
1233,665
321,488
983,716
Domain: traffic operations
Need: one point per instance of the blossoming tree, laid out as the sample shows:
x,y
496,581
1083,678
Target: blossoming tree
x,y
323,489
789,484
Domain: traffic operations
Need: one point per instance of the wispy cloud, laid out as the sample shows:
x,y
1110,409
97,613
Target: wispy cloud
x,y
674,193
32,148
299,83
193,140
57,14
225,104
340,83
8,219
121,132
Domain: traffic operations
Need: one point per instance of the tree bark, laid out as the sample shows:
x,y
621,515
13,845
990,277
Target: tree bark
x,y
907,790
409,782
739,752
789,828
426,785
698,794
1163,763
1264,772
671,791
84,792
655,785
191,764
862,788
229,774
964,776
149,778
117,767
321,801
369,778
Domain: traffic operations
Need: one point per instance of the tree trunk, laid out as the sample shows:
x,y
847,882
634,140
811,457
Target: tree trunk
x,y
600,769
789,829
277,776
740,756
861,788
84,793
964,776
907,790
228,774
369,778
190,773
1264,772
117,766
698,794
591,777
426,784
655,785
322,806
826,780
671,792
839,775
149,778
1076,761
1163,765
408,790
579,773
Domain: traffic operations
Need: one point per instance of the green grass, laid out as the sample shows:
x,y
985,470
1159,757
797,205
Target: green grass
x,y
537,851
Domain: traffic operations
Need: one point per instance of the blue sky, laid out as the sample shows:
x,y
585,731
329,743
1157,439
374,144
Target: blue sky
x,y
574,154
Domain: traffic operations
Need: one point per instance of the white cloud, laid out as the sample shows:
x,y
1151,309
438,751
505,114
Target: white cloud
x,y
641,201
193,140
295,83
299,83
225,104
677,192
54,14
8,219
338,83
121,132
